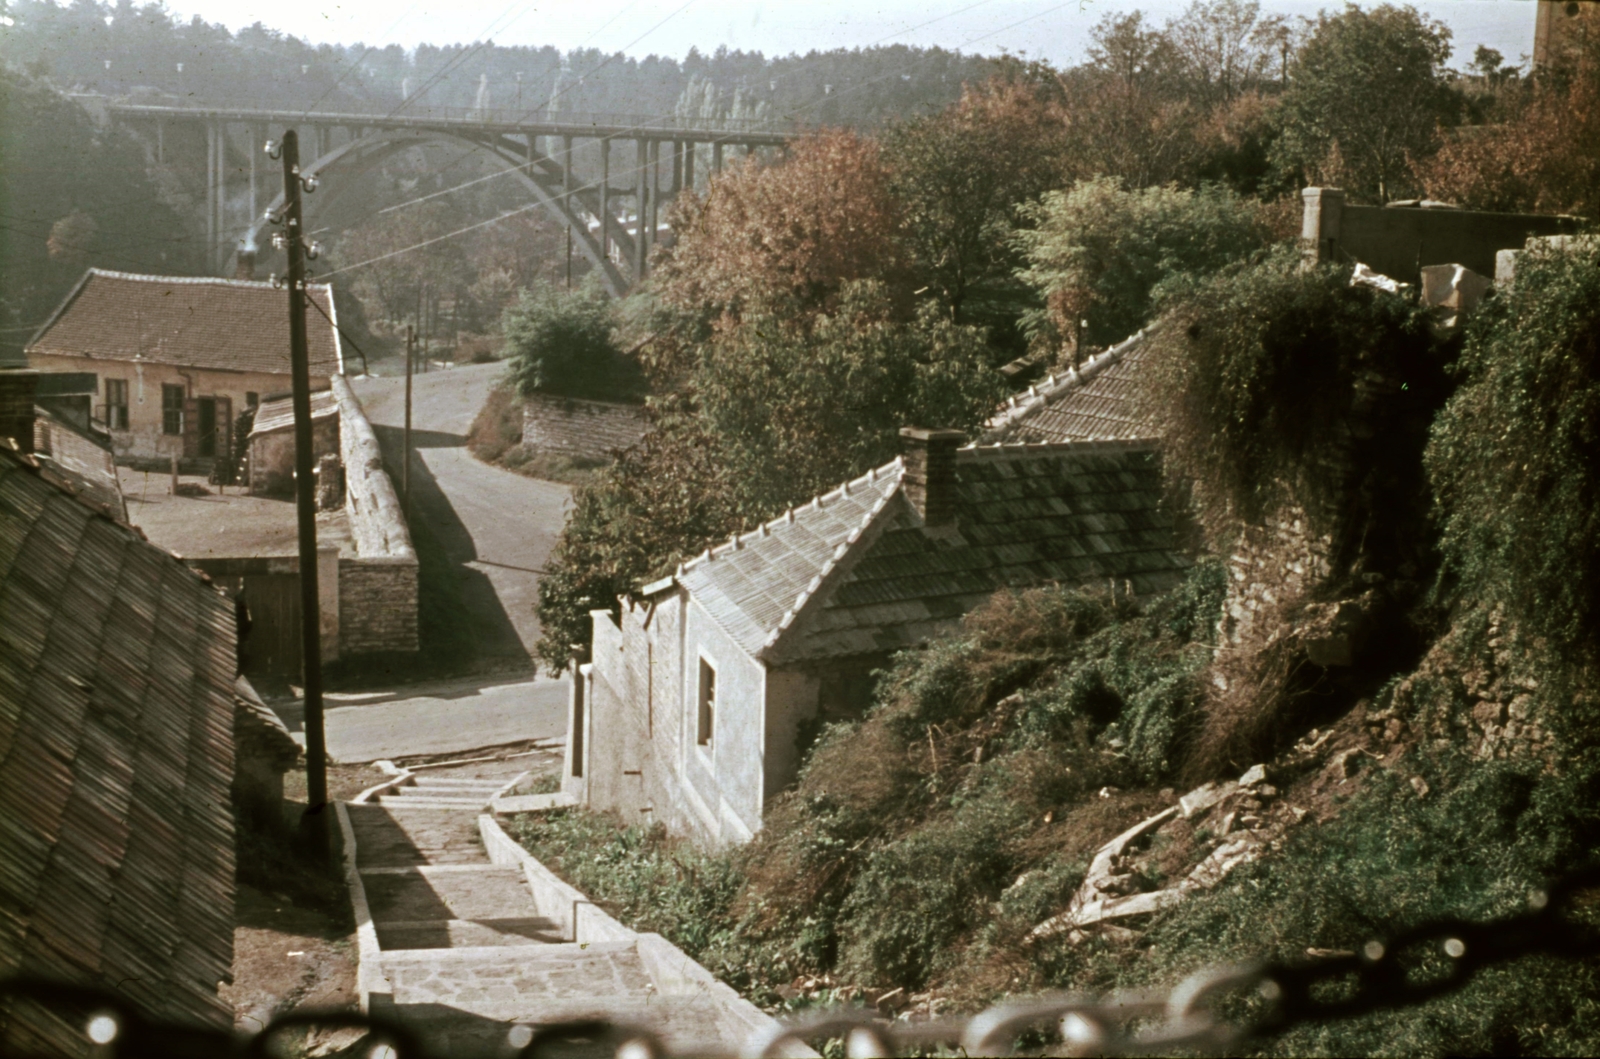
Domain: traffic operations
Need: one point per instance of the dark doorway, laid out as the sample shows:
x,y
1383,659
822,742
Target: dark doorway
x,y
208,426
274,643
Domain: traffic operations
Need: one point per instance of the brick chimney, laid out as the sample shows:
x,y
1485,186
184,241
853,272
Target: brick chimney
x,y
17,389
245,268
930,477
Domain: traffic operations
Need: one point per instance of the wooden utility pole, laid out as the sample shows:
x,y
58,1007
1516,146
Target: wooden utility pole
x,y
316,816
405,468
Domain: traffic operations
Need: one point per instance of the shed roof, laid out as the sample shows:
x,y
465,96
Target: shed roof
x,y
116,758
278,413
856,572
191,322
1099,401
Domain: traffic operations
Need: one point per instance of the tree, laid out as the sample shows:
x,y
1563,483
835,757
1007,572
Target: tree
x,y
1226,47
560,343
1543,156
799,407
1097,252
961,176
799,229
1366,97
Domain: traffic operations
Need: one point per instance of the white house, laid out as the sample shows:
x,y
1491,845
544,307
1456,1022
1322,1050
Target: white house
x,y
698,697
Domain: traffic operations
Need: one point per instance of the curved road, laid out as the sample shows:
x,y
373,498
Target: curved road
x,y
482,534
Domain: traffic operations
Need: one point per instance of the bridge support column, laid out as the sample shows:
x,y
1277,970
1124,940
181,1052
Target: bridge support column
x,y
688,164
605,198
655,195
253,133
643,157
211,194
716,156
676,183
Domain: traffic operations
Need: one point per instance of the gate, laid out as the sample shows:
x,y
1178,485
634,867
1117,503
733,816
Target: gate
x,y
273,646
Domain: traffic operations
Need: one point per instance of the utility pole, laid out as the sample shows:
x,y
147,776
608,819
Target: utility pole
x,y
405,468
316,818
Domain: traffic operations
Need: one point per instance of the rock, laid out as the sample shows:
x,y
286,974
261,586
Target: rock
x,y
1520,706
1488,713
1298,813
1254,775
1226,825
1420,785
1346,762
1250,821
1202,798
1266,790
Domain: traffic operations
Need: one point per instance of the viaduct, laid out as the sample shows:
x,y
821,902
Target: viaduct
x,y
603,217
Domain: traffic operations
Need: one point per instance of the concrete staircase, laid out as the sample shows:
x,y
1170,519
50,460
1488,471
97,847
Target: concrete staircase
x,y
469,941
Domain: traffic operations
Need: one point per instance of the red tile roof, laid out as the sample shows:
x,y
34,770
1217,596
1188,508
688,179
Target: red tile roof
x,y
218,324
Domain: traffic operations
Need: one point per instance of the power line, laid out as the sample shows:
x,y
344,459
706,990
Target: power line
x,y
436,239
356,65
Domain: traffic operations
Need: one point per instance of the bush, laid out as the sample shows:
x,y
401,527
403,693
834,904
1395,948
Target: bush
x,y
1515,455
559,342
1099,252
1257,374
497,428
1486,834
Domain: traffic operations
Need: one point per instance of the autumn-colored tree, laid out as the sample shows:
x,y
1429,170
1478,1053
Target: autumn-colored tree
x,y
799,228
962,174
1544,157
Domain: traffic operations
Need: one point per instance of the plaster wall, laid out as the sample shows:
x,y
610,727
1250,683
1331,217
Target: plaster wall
x,y
143,437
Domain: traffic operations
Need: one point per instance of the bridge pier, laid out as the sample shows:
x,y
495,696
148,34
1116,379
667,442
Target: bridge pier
x,y
605,197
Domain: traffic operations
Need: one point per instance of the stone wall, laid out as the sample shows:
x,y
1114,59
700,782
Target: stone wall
x,y
582,429
378,586
1399,241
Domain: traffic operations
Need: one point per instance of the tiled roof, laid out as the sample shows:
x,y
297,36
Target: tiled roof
x,y
116,758
754,585
1099,401
856,572
278,414
220,324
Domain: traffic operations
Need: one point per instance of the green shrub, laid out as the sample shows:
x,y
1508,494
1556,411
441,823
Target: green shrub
x,y
1257,373
559,342
1486,833
1099,251
1515,457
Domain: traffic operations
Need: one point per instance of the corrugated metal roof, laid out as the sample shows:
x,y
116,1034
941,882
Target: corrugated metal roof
x,y
222,324
116,757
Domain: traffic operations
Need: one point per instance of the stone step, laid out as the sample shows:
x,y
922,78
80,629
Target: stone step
x,y
416,966
392,834
686,1025
422,801
420,934
445,781
431,894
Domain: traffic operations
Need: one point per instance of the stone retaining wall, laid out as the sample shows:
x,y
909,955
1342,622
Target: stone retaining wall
x,y
378,587
583,429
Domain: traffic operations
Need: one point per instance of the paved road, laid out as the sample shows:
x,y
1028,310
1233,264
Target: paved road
x,y
442,718
498,524
483,534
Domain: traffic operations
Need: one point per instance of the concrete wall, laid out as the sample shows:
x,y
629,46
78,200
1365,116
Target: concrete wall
x,y
1399,241
378,586
143,438
584,429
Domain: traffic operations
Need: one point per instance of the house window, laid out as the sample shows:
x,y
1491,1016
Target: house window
x,y
171,409
117,404
251,398
706,714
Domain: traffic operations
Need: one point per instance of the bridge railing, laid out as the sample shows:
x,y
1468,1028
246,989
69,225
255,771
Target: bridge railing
x,y
419,113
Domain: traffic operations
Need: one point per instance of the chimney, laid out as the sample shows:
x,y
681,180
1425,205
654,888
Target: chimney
x,y
17,389
930,477
246,267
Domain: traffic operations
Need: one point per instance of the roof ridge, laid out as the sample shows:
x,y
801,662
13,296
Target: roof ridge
x,y
1056,386
764,529
1043,448
225,281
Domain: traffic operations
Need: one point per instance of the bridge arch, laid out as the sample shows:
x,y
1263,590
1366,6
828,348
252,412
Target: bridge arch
x,y
573,208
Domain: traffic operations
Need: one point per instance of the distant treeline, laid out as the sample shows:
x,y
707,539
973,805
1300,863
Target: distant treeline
x,y
127,49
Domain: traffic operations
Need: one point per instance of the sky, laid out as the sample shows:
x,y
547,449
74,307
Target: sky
x,y
1049,29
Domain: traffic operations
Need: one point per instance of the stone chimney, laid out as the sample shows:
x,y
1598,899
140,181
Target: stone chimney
x,y
930,477
17,389
246,265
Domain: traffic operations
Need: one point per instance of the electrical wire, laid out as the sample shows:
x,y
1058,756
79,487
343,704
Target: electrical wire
x,y
436,239
356,65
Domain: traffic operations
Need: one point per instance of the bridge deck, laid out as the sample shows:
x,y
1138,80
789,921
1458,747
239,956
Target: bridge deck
x,y
585,126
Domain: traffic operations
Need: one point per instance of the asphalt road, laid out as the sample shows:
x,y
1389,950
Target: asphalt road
x,y
482,535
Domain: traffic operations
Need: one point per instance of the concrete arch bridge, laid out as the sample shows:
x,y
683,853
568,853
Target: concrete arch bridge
x,y
603,213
